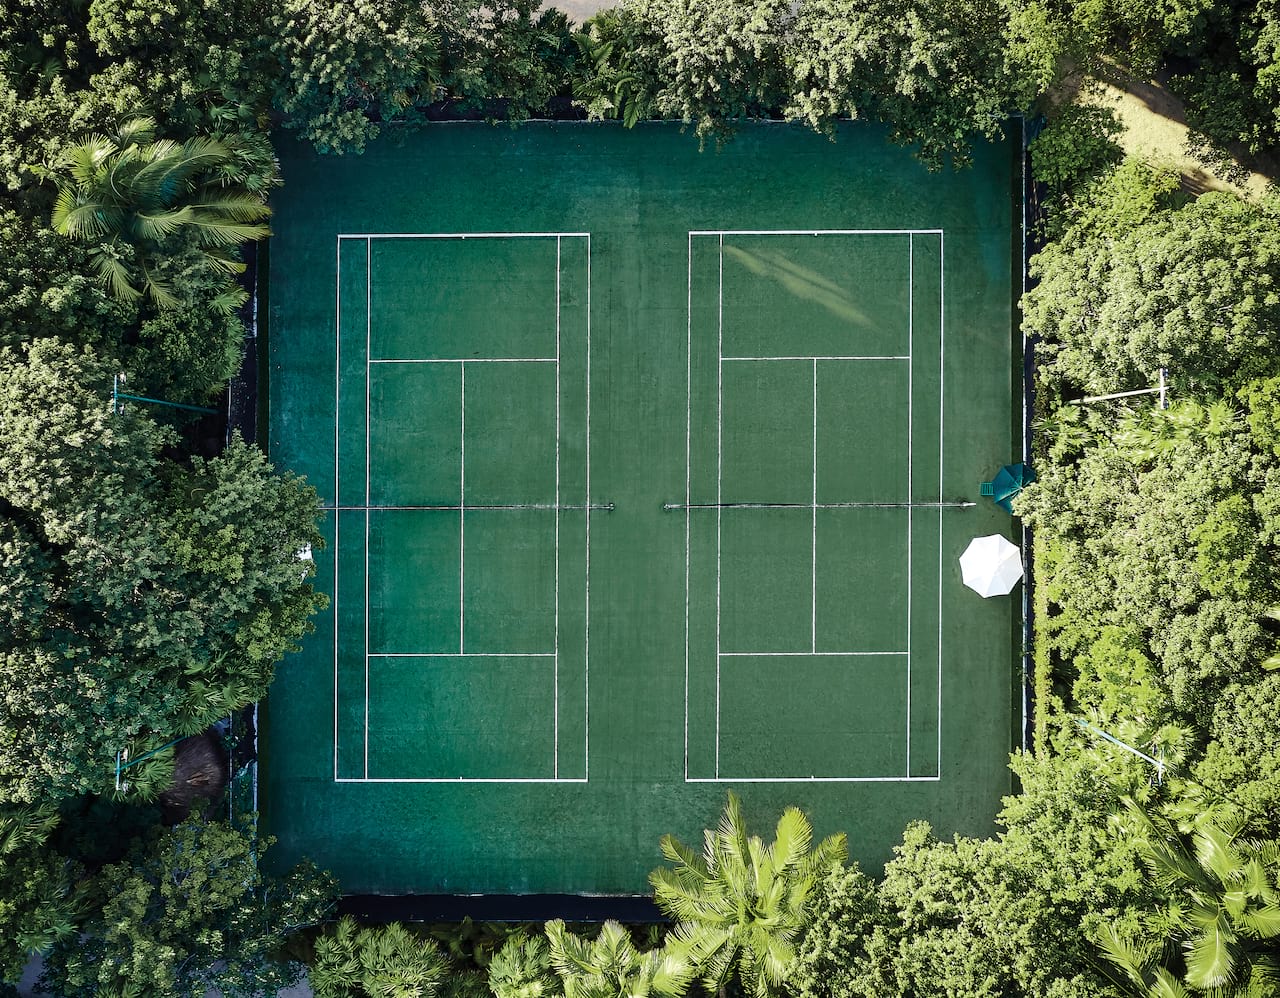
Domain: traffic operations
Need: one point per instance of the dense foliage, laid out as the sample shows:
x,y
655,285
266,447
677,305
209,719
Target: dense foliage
x,y
153,598
152,582
189,909
149,571
1156,545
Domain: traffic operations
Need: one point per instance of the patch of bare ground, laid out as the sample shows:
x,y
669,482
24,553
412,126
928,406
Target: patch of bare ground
x,y
1155,129
580,10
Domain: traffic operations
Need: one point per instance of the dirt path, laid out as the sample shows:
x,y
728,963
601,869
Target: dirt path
x,y
580,10
1155,129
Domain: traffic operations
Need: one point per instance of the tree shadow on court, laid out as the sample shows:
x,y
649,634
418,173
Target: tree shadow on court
x,y
802,282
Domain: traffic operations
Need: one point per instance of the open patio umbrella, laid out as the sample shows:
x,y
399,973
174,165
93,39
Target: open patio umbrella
x,y
991,566
1007,483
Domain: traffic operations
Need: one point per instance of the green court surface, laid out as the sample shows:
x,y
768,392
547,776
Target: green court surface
x,y
644,470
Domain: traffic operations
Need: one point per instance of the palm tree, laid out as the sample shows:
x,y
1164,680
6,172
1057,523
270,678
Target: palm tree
x,y
522,969
1223,911
740,906
610,966
387,961
142,199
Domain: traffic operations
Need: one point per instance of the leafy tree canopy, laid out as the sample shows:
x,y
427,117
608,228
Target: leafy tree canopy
x,y
1195,290
507,57
190,909
370,962
935,71
1216,932
1161,564
149,597
350,66
40,897
740,906
151,207
610,966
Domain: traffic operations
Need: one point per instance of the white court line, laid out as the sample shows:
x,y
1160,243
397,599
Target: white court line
x,y
464,779
806,654
719,469
337,497
454,507
811,357
555,672
942,413
455,654
812,232
688,497
368,352
462,511
813,554
462,361
586,613
465,360
461,235
911,349
812,779
909,358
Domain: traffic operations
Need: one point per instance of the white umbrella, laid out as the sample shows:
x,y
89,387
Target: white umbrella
x,y
991,566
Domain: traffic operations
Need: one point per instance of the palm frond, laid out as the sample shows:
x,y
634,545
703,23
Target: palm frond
x,y
831,851
86,221
1132,961
114,273
85,161
136,131
676,851
1263,923
26,823
240,207
160,291
226,302
1165,985
1211,955
671,975
732,829
792,838
569,954
154,226
1215,852
221,233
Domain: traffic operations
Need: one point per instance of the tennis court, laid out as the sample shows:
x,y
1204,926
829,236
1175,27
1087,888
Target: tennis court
x,y
645,472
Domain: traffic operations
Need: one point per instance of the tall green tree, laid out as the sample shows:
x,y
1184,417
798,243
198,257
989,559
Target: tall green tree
x,y
150,207
610,966
150,596
351,68
40,897
720,62
196,65
1218,933
508,58
617,75
741,905
189,909
1195,290
936,71
831,948
522,969
381,961
1160,542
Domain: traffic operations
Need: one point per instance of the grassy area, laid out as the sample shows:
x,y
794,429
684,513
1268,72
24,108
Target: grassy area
x,y
1155,129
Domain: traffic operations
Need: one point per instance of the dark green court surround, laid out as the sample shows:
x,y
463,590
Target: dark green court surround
x,y
637,461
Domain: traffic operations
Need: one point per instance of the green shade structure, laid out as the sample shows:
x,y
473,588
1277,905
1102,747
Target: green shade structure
x,y
1007,483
